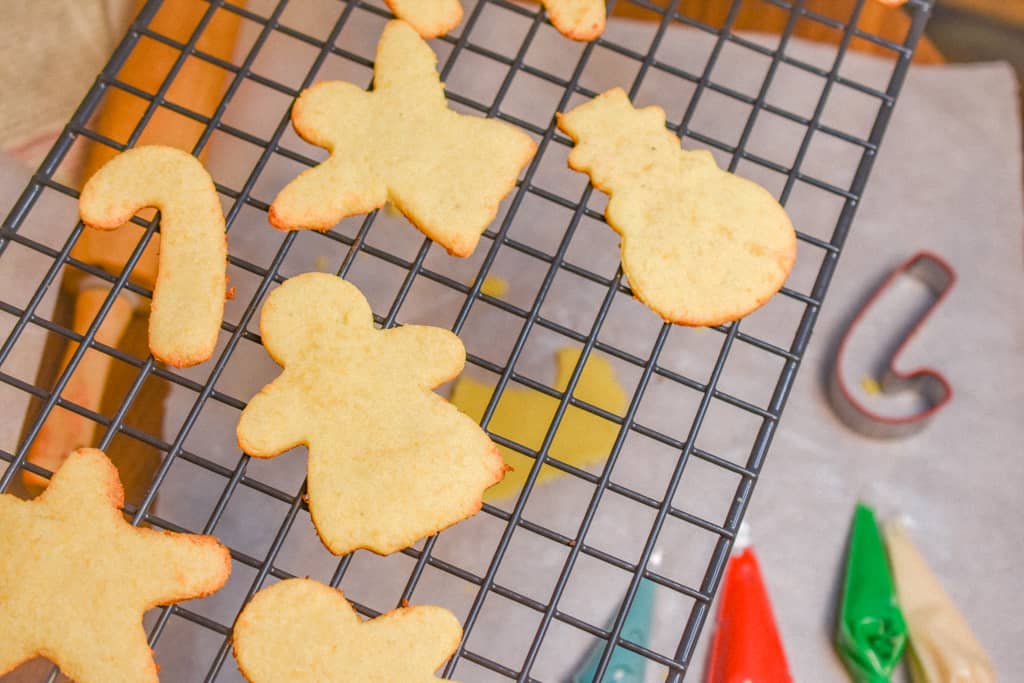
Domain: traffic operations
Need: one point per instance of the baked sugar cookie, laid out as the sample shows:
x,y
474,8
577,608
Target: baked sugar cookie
x,y
302,631
191,281
446,172
76,578
430,18
577,19
390,461
700,246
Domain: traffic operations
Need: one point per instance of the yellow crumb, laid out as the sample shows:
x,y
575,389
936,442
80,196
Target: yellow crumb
x,y
493,286
871,386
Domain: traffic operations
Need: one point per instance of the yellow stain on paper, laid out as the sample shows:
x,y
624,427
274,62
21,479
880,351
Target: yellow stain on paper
x,y
871,386
524,416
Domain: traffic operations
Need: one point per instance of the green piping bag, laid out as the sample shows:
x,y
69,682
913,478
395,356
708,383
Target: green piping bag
x,y
871,632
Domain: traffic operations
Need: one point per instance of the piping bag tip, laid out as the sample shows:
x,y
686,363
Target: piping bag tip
x,y
883,498
743,539
747,646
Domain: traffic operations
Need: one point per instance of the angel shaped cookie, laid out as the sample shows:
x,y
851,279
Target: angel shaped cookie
x,y
302,631
700,246
446,172
389,460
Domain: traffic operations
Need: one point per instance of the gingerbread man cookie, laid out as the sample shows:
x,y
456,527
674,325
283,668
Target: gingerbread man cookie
x,y
700,246
389,460
188,299
446,172
302,631
76,578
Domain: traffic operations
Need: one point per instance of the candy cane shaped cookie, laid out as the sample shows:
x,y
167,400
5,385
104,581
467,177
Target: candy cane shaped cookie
x,y
188,299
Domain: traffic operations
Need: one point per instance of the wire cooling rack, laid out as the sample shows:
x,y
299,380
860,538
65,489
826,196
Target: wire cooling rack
x,y
236,478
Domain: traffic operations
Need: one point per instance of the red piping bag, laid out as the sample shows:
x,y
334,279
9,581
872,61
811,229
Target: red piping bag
x,y
747,647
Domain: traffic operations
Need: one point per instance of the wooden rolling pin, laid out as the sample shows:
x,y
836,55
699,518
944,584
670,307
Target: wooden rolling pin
x,y
198,87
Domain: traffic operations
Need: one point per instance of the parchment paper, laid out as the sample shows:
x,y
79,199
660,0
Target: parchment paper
x,y
948,179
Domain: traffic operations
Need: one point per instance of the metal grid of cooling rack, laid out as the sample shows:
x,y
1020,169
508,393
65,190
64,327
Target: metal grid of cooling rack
x,y
462,43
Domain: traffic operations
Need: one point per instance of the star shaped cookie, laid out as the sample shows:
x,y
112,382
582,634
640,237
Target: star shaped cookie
x,y
302,631
390,461
446,172
75,577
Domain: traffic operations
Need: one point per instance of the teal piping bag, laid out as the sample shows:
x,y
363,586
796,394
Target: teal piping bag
x,y
625,666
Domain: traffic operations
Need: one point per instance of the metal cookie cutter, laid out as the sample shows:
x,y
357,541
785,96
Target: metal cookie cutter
x,y
931,386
